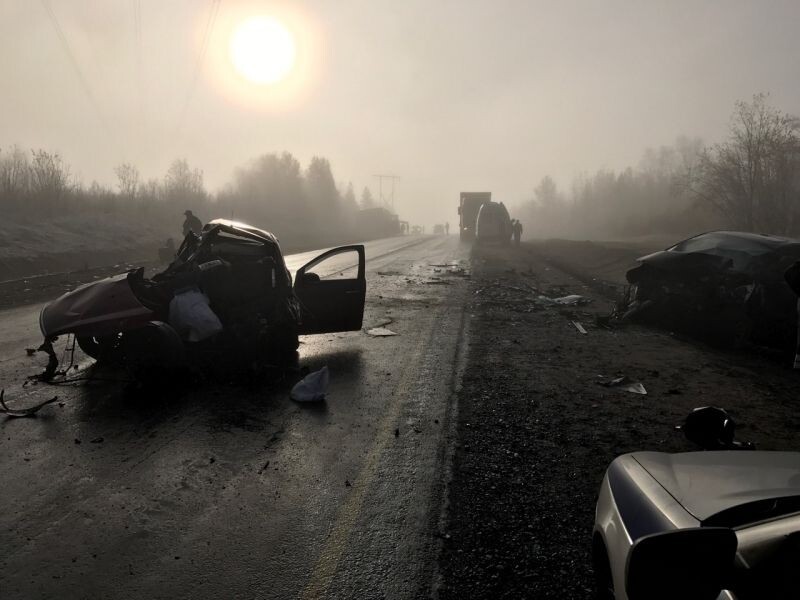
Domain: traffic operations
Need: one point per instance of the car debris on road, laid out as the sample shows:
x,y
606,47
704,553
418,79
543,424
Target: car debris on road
x,y
380,332
22,412
626,384
312,387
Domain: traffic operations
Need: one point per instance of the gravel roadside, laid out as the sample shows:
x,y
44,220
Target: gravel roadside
x,y
535,431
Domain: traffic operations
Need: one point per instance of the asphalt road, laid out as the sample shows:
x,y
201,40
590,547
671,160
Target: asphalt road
x,y
234,491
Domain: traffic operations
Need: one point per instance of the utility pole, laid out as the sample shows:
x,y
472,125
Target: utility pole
x,y
392,178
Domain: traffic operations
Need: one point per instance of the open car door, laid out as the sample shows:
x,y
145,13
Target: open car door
x,y
330,302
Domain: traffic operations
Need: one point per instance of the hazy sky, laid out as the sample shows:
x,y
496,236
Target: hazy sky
x,y
450,96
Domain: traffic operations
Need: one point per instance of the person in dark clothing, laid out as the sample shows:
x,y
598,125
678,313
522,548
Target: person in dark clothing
x,y
517,230
192,224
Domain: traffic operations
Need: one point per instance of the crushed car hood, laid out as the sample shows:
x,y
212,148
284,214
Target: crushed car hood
x,y
97,308
708,483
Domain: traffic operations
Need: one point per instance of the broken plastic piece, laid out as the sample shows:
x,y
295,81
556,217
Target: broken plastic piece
x,y
312,387
579,327
380,332
625,383
571,300
22,412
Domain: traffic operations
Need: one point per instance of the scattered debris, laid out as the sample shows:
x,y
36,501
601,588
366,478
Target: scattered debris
x,y
52,359
396,433
264,468
579,327
312,387
571,300
625,383
380,332
97,440
347,483
22,412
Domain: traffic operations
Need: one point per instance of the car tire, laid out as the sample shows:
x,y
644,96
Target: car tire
x,y
156,346
102,349
603,581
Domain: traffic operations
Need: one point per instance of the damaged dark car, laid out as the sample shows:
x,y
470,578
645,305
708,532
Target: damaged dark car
x,y
727,286
227,299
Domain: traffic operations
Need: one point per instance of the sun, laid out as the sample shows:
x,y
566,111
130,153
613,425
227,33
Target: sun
x,y
262,50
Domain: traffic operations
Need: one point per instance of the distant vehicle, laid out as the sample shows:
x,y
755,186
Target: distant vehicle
x,y
378,222
719,525
469,205
493,224
241,272
727,284
438,229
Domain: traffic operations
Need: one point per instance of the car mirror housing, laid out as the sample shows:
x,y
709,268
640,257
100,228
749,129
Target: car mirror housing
x,y
691,564
712,428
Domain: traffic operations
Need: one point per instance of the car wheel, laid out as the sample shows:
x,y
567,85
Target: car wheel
x,y
284,340
154,346
102,349
603,582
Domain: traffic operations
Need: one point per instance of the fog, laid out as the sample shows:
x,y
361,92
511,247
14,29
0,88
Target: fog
x,y
448,96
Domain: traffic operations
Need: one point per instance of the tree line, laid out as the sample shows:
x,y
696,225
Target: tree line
x,y
749,182
273,191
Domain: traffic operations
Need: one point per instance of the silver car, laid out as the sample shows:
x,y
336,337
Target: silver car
x,y
699,525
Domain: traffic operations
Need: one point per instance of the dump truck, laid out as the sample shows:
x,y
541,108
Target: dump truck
x,y
469,205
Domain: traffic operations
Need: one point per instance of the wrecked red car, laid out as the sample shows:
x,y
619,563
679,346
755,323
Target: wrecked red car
x,y
228,297
725,285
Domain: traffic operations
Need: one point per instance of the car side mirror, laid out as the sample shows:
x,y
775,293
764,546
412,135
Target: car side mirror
x,y
309,278
712,428
690,564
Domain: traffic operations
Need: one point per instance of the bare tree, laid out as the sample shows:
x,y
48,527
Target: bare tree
x,y
182,183
14,173
753,177
127,180
49,176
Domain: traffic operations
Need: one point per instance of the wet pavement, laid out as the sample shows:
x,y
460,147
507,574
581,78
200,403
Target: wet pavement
x,y
234,491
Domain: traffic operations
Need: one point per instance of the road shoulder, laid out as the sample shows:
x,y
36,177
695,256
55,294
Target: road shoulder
x,y
535,431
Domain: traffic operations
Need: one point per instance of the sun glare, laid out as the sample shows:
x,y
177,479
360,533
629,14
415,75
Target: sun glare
x,y
262,50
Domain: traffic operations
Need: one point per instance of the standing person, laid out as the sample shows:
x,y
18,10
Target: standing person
x,y
447,228
517,229
192,224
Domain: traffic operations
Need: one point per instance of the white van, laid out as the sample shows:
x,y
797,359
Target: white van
x,y
494,224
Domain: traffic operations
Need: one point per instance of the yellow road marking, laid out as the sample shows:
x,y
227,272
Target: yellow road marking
x,y
328,561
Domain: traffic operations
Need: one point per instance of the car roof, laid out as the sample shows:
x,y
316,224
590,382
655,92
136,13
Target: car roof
x,y
709,483
764,239
237,226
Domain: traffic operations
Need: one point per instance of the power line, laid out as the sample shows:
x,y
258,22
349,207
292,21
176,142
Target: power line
x,y
393,179
76,67
137,40
212,17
